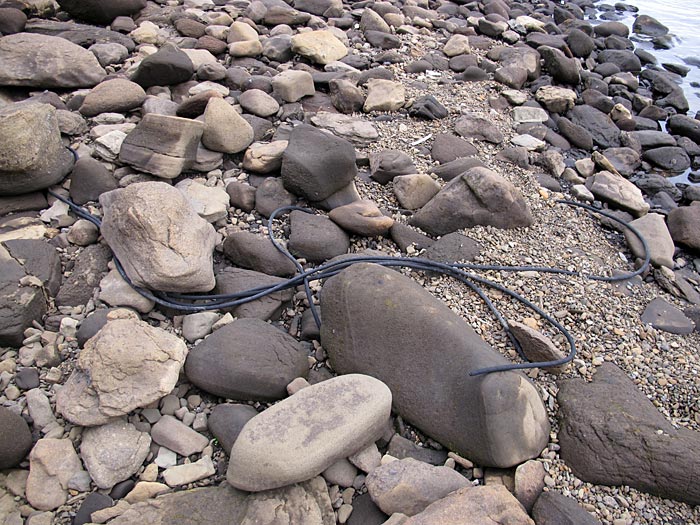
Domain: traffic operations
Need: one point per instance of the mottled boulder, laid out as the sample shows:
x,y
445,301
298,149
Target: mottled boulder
x,y
611,434
53,465
159,239
370,320
477,197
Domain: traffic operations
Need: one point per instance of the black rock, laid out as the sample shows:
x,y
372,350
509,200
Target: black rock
x,y
580,44
552,508
684,126
664,316
366,512
92,324
89,180
612,28
579,136
226,421
92,503
562,68
121,489
165,67
271,195
602,129
27,378
453,247
99,11
647,25
427,107
625,60
315,237
15,439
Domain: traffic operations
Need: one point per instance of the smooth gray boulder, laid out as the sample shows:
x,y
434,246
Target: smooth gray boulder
x,y
381,323
159,239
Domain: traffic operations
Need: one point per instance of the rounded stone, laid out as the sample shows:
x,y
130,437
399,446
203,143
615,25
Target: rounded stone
x,y
15,439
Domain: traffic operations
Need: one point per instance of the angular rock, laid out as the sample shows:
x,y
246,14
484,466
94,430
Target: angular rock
x,y
224,129
414,191
174,435
653,228
15,439
128,364
293,85
477,197
169,65
265,157
556,99
384,95
617,191
32,156
89,180
562,68
159,239
189,472
113,452
529,483
162,145
552,508
33,60
602,129
315,237
682,225
400,448
478,128
357,131
255,252
247,360
369,319
448,147
53,465
536,346
611,434
387,164
210,203
427,107
362,218
87,273
306,440
115,291
307,503
321,47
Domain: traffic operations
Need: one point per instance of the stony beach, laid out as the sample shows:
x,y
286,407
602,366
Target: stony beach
x,y
441,131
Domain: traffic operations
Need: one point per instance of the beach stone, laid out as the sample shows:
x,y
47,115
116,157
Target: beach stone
x,y
271,195
602,129
258,103
653,228
625,160
474,506
307,503
316,164
210,203
247,360
162,145
556,99
526,114
196,105
668,158
113,96
224,128
355,130
685,126
502,429
113,452
512,76
662,315
562,68
536,346
400,448
32,156
232,280
40,409
477,197
128,364
168,66
42,61
144,490
115,291
529,483
647,25
159,239
552,508
617,191
611,434
256,252
306,441
384,95
682,225
578,136
15,439
622,58
226,422
53,466
427,107
263,157
361,217
580,44
93,502
292,85
315,237
242,195
409,486
189,472
322,47
89,268
245,48
346,96
448,147
12,21
198,325
414,191
457,45
386,164
101,12
95,321
27,378
478,128
341,473
174,435
89,180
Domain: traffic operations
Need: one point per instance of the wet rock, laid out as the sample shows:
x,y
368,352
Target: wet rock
x,y
625,60
684,126
602,129
668,158
647,25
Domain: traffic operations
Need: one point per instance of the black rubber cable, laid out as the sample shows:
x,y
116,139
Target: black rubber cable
x,y
184,302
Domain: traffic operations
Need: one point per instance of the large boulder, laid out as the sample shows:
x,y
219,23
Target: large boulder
x,y
99,11
601,127
381,323
611,434
159,239
303,435
248,359
617,191
33,60
477,197
683,226
317,164
32,156
128,364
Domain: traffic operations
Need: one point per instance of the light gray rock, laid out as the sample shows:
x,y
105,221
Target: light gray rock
x,y
224,128
617,191
189,472
322,47
113,452
39,408
292,85
258,103
158,237
294,440
307,503
653,228
263,157
117,95
384,95
53,465
115,291
198,325
357,131
128,364
178,437
341,473
210,203
529,483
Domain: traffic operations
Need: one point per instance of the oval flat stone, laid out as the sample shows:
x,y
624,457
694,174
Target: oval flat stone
x,y
301,436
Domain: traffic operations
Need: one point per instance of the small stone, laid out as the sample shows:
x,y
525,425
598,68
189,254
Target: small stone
x,y
189,473
176,436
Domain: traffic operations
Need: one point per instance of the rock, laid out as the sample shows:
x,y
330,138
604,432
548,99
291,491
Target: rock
x,y
210,203
12,21
668,158
577,135
474,506
158,237
384,95
478,128
664,316
128,364
529,483
113,452
346,96
53,467
168,66
305,440
115,291
611,434
625,160
387,164
189,472
409,486
400,448
117,95
536,346
617,191
306,502
89,180
271,195
321,47
15,438
292,85
255,252
92,503
556,99
316,164
552,508
492,429
33,60
622,58
264,157
457,45
162,145
653,228
224,128
226,422
647,25
101,12
427,107
258,103
448,147
602,129
32,156
198,325
362,218
357,131
684,126
174,435
242,195
247,360
562,68
89,268
414,191
526,114
235,280
682,225
477,197
315,237
512,76
145,490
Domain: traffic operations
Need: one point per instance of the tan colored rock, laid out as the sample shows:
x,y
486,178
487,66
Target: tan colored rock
x,y
556,99
529,483
115,95
653,228
384,95
264,157
362,218
53,463
536,346
457,45
293,85
415,190
322,47
224,128
617,191
145,490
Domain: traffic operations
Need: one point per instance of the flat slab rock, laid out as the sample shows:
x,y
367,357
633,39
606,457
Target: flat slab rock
x,y
611,434
662,315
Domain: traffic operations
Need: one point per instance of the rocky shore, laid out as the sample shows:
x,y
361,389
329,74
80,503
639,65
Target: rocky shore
x,y
441,130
